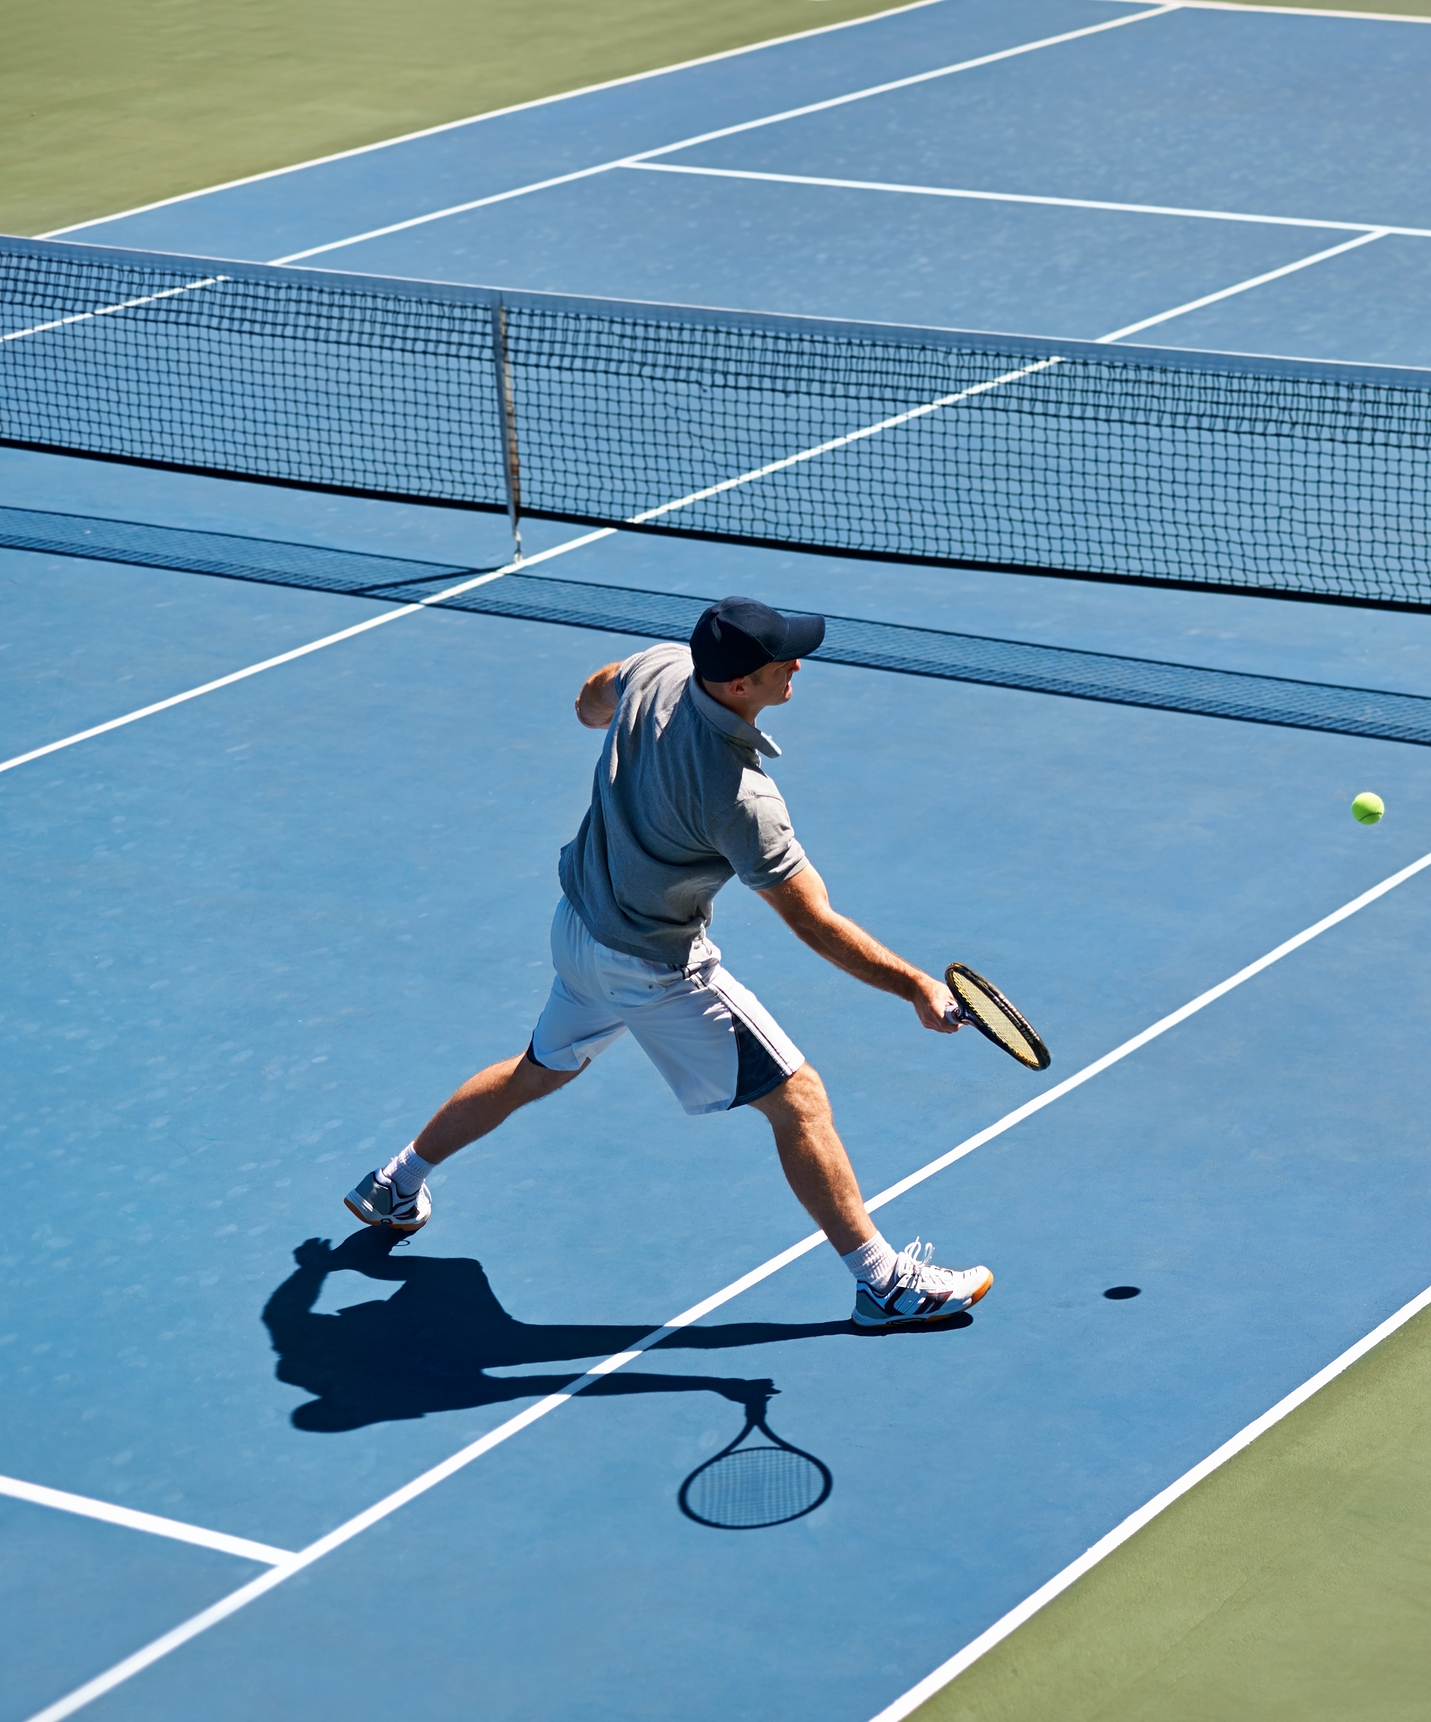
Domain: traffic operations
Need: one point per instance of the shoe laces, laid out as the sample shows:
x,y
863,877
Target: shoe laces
x,y
924,1274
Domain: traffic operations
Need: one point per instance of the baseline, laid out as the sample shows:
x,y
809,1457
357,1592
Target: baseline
x,y
85,1507
180,1635
1303,11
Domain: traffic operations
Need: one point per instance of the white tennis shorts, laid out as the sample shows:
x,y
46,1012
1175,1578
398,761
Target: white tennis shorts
x,y
714,1042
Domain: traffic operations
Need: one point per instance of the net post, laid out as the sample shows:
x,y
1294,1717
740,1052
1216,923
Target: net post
x,y
507,423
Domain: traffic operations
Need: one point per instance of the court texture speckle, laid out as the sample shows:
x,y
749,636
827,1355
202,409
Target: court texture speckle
x,y
258,1466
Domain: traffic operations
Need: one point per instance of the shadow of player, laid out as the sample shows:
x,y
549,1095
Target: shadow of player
x,y
429,1346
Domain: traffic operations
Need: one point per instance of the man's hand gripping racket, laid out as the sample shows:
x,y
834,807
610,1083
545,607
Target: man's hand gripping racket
x,y
980,1003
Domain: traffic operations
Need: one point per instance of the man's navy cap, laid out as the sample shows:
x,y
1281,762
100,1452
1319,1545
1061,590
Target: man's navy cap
x,y
738,635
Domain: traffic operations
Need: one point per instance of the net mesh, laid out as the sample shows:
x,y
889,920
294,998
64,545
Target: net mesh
x,y
907,445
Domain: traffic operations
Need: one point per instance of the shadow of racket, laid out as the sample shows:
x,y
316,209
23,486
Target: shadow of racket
x,y
747,1488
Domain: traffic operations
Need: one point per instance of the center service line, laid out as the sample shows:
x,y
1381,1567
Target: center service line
x,y
250,1592
297,652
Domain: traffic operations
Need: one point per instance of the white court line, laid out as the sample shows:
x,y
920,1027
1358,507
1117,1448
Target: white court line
x,y
287,657
1299,11
655,513
640,519
108,310
513,567
1134,1523
1244,286
231,1604
492,114
841,441
1027,197
61,1499
728,131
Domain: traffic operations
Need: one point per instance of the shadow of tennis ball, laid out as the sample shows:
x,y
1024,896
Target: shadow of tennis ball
x,y
1118,1293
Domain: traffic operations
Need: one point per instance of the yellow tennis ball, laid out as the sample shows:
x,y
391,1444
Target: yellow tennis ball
x,y
1367,808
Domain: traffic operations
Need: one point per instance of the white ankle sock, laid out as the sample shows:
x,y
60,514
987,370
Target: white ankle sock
x,y
873,1262
406,1171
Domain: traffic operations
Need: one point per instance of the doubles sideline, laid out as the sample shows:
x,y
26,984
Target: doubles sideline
x,y
287,1566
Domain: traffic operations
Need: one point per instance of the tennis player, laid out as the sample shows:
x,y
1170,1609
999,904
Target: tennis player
x,y
680,804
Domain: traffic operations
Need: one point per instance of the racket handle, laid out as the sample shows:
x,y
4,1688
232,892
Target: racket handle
x,y
955,1013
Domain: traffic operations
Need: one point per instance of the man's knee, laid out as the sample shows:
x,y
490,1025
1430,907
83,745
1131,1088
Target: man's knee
x,y
801,1096
540,1078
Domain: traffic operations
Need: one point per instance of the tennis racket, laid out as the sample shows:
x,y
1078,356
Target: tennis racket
x,y
747,1488
980,1002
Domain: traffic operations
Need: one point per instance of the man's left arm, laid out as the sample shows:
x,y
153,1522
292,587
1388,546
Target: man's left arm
x,y
803,903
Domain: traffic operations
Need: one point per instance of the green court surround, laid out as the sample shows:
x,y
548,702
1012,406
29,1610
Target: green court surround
x,y
109,104
1293,1585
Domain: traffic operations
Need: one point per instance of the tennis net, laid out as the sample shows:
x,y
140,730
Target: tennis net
x,y
1281,477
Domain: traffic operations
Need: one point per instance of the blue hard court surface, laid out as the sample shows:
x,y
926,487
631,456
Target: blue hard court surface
x,y
255,939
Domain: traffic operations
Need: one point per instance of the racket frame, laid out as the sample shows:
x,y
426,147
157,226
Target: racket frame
x,y
958,973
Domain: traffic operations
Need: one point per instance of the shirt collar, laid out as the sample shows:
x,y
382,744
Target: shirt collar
x,y
730,723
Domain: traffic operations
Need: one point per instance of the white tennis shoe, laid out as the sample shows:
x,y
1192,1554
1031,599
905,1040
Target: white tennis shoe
x,y
920,1294
376,1202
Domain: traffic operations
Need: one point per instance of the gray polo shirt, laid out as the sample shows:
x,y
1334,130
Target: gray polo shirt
x,y
680,804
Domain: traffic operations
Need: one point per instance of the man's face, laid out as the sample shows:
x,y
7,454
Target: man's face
x,y
771,682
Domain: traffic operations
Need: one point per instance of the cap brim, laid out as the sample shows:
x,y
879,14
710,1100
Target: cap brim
x,y
803,635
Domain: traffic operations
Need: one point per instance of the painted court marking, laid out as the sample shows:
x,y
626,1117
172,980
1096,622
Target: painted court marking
x,y
1275,9
344,1533
1246,286
109,310
106,1511
1145,1514
656,72
511,567
724,132
960,192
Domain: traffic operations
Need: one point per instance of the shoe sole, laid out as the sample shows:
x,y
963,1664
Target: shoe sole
x,y
392,1225
935,1321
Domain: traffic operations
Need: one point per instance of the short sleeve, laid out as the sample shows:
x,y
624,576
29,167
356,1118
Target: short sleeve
x,y
755,836
651,658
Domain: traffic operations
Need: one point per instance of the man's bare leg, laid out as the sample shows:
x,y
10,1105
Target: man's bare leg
x,y
396,1195
483,1102
893,1291
814,1160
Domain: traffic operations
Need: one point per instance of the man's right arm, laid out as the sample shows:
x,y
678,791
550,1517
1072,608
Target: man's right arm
x,y
596,703
803,903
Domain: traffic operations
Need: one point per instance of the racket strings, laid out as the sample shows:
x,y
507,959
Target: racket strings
x,y
1002,1024
981,1003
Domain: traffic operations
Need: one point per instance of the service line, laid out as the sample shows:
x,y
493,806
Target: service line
x,y
344,1533
905,189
